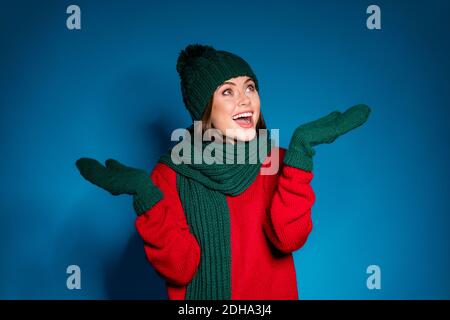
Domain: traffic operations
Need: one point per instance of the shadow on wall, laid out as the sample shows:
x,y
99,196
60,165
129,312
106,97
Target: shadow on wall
x,y
133,277
160,130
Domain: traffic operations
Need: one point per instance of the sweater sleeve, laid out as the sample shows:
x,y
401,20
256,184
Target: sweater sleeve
x,y
288,220
168,243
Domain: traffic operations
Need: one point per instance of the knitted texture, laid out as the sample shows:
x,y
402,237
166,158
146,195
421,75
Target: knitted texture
x,y
268,221
323,130
207,213
202,69
203,189
117,179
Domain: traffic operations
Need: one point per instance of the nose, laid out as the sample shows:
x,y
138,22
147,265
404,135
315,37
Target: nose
x,y
243,99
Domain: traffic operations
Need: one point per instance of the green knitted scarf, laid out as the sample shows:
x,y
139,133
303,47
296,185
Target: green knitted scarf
x,y
202,189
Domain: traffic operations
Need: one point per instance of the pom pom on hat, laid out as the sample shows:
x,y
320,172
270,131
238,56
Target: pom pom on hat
x,y
191,53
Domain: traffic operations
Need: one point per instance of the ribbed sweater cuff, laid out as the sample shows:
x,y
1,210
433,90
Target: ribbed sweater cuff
x,y
298,159
145,200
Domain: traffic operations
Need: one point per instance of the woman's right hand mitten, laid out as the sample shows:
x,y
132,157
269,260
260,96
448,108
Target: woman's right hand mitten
x,y
117,179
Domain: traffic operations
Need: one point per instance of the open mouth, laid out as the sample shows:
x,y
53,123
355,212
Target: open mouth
x,y
244,119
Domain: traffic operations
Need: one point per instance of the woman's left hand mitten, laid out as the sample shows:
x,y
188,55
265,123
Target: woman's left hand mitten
x,y
323,130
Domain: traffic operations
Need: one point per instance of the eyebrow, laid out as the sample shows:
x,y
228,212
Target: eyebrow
x,y
234,84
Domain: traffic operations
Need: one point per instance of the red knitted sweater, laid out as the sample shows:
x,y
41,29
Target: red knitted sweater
x,y
269,220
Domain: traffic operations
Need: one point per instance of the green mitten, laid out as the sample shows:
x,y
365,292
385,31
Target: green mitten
x,y
117,178
323,130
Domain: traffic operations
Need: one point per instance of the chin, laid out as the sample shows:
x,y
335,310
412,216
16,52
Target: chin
x,y
245,135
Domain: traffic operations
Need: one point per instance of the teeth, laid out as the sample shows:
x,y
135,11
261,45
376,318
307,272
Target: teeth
x,y
243,115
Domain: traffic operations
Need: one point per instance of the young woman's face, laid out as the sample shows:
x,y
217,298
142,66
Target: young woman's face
x,y
235,109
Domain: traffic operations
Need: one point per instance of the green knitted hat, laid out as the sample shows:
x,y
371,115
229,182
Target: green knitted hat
x,y
202,69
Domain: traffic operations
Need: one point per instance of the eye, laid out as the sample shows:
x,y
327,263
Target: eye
x,y
227,92
251,87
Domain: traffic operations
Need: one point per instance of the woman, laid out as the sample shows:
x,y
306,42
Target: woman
x,y
223,229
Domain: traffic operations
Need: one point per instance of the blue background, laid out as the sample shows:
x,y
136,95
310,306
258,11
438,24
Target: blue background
x,y
111,90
